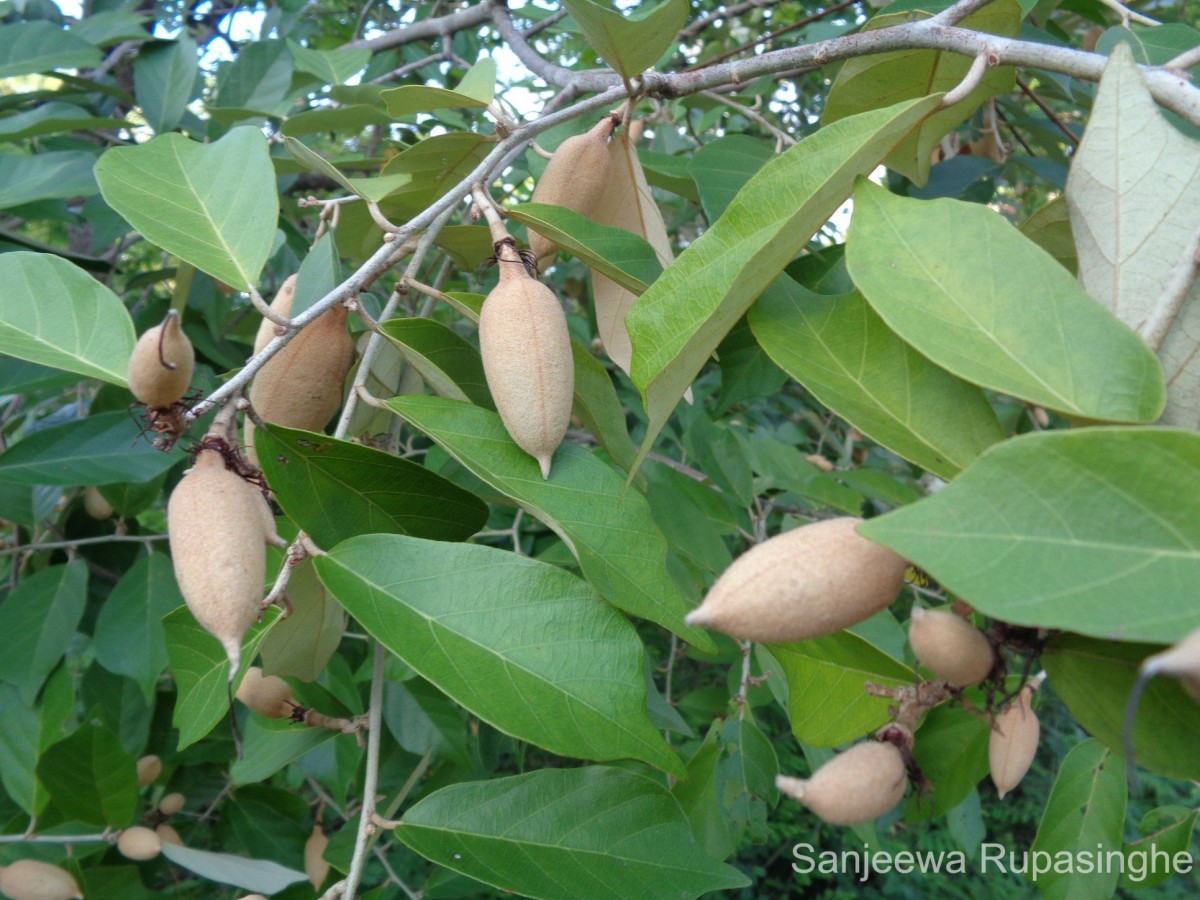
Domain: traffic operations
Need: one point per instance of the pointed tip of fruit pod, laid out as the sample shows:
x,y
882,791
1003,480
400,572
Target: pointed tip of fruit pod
x,y
544,464
233,650
700,617
793,787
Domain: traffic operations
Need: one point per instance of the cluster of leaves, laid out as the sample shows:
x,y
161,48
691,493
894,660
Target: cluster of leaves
x,y
479,616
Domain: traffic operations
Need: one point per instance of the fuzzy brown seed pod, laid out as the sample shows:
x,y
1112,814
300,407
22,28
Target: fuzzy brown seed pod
x,y
139,844
160,368
950,647
1182,661
32,879
315,866
806,583
282,305
576,178
267,695
168,835
301,385
215,524
527,359
149,767
856,786
171,804
1013,742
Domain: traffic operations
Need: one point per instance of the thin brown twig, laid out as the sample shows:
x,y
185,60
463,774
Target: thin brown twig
x,y
1050,114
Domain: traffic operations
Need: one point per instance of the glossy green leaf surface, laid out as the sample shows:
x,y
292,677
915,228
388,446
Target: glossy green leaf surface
x,y
620,549
524,645
1061,529
450,365
37,622
629,44
565,833
91,778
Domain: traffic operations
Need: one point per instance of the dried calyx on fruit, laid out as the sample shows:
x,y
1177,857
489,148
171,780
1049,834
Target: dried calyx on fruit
x,y
218,526
526,351
575,177
856,786
160,368
950,647
267,695
32,879
1013,742
301,385
806,583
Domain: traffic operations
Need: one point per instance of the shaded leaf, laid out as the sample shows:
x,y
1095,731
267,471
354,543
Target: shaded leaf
x,y
91,777
629,44
164,78
450,365
28,47
302,644
260,875
37,622
128,636
45,176
330,66
476,90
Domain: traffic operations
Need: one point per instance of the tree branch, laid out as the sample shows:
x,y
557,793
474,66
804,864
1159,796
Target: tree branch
x,y
427,28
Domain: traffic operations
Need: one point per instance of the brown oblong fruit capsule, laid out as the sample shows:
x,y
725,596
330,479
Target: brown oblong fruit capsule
x,y
1013,742
168,835
1181,660
527,359
950,647
95,505
315,866
139,843
32,879
806,583
161,365
282,304
217,532
171,804
856,786
576,178
149,767
267,695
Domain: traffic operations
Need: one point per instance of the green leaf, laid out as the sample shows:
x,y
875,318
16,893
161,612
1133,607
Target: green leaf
x,y
629,44
839,348
45,176
201,671
597,406
864,82
1060,529
524,645
565,833
1085,814
1132,230
682,318
625,257
352,118
101,449
271,744
37,622
258,79
28,47
970,312
317,163
1050,229
128,635
1155,45
834,669
951,748
302,644
54,313
212,205
433,165
450,365
1168,830
51,118
722,167
29,730
1094,678
261,875
468,245
620,549
91,777
476,90
330,66
320,272
164,78
337,489
104,29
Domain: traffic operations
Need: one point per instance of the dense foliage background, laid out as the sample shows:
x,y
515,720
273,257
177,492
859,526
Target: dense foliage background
x,y
884,303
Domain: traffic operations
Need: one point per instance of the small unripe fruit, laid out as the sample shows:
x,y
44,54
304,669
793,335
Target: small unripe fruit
x,y
95,505
32,879
1181,661
575,177
806,583
171,804
315,866
527,360
168,835
149,767
282,304
267,695
160,368
950,647
139,844
218,539
856,786
1013,742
